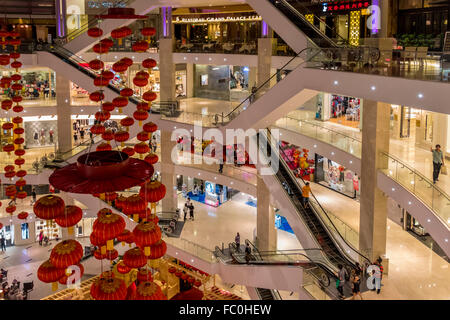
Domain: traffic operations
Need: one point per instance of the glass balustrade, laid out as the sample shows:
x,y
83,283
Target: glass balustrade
x,y
434,197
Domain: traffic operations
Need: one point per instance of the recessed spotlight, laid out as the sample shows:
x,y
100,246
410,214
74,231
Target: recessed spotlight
x,y
373,88
446,240
199,173
428,220
210,59
315,146
66,101
409,202
184,58
196,58
420,95
332,153
351,161
81,110
224,59
336,82
393,189
115,57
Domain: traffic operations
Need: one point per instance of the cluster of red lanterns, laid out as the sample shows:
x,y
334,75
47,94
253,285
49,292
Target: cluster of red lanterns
x,y
185,277
13,127
67,252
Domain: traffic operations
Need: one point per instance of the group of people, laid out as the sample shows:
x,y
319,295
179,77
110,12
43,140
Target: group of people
x,y
247,250
188,207
43,239
375,273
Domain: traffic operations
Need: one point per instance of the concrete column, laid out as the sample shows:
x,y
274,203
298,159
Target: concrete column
x,y
168,176
264,61
167,70
440,129
189,80
63,113
252,77
373,212
265,220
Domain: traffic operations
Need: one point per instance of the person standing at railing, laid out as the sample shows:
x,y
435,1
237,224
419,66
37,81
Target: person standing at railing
x,y
237,240
305,194
342,276
438,162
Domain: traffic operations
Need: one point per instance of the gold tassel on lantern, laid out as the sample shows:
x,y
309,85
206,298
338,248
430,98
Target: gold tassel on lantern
x,y
54,286
136,217
110,245
70,231
147,251
123,243
103,250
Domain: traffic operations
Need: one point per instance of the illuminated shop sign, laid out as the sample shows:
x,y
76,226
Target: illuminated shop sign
x,y
216,19
105,4
339,6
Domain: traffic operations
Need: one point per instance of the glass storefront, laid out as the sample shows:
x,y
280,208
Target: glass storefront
x,y
336,177
342,110
52,230
7,232
37,83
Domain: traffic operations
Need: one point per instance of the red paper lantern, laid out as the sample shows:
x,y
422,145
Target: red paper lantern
x,y
100,82
140,115
107,42
144,275
16,65
96,64
19,152
158,250
109,289
14,55
16,87
7,126
142,136
48,273
108,135
21,194
97,129
129,151
110,196
123,237
23,215
18,108
18,131
95,32
107,74
17,99
140,46
49,207
152,191
148,290
143,106
10,209
100,48
121,136
66,253
134,258
7,104
120,201
127,122
96,96
151,158
120,102
128,62
143,74
149,63
17,120
122,268
119,67
141,148
107,106
146,234
10,191
149,96
72,215
19,141
126,92
112,254
21,173
103,147
150,127
102,116
107,226
134,204
140,81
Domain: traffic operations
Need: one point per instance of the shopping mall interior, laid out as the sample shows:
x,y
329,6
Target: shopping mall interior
x,y
224,150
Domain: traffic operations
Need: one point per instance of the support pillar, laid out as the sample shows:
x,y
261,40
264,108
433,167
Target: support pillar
x,y
373,210
63,113
168,176
266,232
264,63
166,65
189,80
440,129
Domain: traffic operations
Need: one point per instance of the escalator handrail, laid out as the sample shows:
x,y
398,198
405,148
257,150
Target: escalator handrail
x,y
271,77
317,30
324,211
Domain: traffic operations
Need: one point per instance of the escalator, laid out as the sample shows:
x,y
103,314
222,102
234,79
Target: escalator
x,y
267,294
336,250
295,12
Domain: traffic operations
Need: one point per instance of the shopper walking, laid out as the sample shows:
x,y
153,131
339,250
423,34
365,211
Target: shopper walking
x,y
356,281
248,252
41,237
3,243
438,162
185,210
221,167
305,194
33,195
342,275
237,240
191,212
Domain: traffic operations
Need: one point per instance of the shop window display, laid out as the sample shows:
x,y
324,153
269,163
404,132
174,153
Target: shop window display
x,y
345,110
298,160
336,177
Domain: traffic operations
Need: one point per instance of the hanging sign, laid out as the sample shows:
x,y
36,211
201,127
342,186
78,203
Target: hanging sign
x,y
344,6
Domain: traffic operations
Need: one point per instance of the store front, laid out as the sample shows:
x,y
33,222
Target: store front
x,y
227,28
342,110
38,83
336,177
40,133
230,83
7,232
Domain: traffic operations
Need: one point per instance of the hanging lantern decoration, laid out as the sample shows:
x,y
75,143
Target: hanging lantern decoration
x,y
103,147
95,32
151,158
107,106
96,96
140,115
149,64
144,274
120,202
108,289
158,249
146,234
100,48
72,215
148,290
107,42
97,65
123,237
122,268
66,253
121,136
133,205
150,127
134,258
107,227
149,96
140,46
48,273
141,148
127,123
120,102
49,207
112,254
152,191
23,215
148,32
140,81
129,151
97,242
